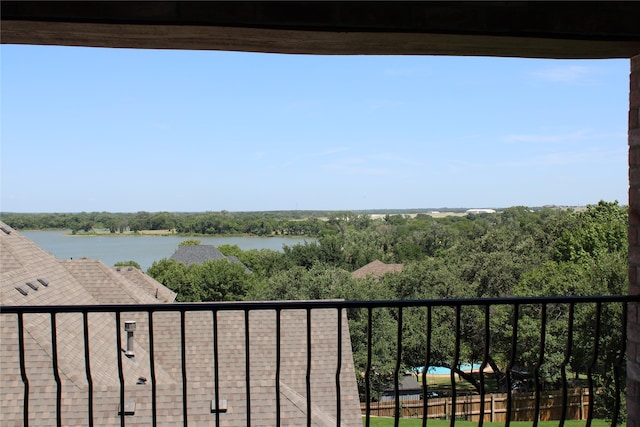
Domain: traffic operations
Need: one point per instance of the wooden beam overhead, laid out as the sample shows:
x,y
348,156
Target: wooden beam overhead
x,y
508,28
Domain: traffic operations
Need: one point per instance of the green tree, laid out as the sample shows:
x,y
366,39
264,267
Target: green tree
x,y
216,280
264,263
219,280
129,263
602,228
230,250
304,255
282,285
359,248
162,221
173,275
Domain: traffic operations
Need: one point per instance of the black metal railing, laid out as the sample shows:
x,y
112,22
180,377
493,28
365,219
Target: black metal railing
x,y
510,339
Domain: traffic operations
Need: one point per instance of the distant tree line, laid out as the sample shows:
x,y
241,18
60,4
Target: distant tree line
x,y
516,252
291,223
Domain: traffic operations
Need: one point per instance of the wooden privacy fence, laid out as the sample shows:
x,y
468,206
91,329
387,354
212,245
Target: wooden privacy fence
x,y
468,408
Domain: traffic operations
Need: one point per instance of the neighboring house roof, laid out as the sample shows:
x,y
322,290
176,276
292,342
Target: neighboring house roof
x,y
407,382
81,281
149,284
91,282
408,388
198,254
376,268
110,286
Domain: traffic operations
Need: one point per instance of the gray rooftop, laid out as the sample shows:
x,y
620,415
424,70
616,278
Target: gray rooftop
x,y
91,282
197,254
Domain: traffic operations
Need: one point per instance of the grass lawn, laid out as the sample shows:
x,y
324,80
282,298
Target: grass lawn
x,y
415,422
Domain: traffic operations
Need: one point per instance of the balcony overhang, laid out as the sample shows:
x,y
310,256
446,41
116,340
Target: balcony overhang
x,y
507,29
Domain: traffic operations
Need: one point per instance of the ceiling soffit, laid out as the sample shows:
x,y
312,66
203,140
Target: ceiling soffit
x,y
519,29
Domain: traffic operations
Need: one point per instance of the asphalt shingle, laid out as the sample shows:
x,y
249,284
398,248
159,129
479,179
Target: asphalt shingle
x,y
90,282
197,254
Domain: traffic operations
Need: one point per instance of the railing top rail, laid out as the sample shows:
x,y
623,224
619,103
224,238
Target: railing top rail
x,y
318,304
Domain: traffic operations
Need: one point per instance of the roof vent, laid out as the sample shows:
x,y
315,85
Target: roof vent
x,y
33,285
23,290
129,407
5,229
222,405
44,281
129,327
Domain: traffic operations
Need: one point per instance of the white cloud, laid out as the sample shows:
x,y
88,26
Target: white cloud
x,y
548,138
329,152
394,159
575,74
595,156
582,136
591,156
311,155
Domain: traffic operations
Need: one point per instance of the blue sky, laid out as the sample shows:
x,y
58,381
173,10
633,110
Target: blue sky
x,y
92,129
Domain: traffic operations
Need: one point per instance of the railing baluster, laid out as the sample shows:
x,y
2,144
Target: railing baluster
x,y
396,370
425,369
277,368
367,371
120,374
549,307
23,370
87,366
56,371
485,360
152,371
216,371
536,371
618,366
594,361
339,370
247,368
183,356
308,373
452,373
563,366
512,360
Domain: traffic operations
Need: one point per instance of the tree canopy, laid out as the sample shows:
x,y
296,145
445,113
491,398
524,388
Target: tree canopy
x,y
516,252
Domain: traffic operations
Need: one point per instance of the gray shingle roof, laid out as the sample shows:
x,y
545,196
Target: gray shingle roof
x,y
91,282
149,284
197,254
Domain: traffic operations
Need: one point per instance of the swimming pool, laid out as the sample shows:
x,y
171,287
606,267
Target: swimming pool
x,y
441,370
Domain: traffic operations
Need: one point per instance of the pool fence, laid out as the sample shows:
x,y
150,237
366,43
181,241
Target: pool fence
x,y
469,408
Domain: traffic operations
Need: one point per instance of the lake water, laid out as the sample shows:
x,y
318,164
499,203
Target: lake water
x,y
142,249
